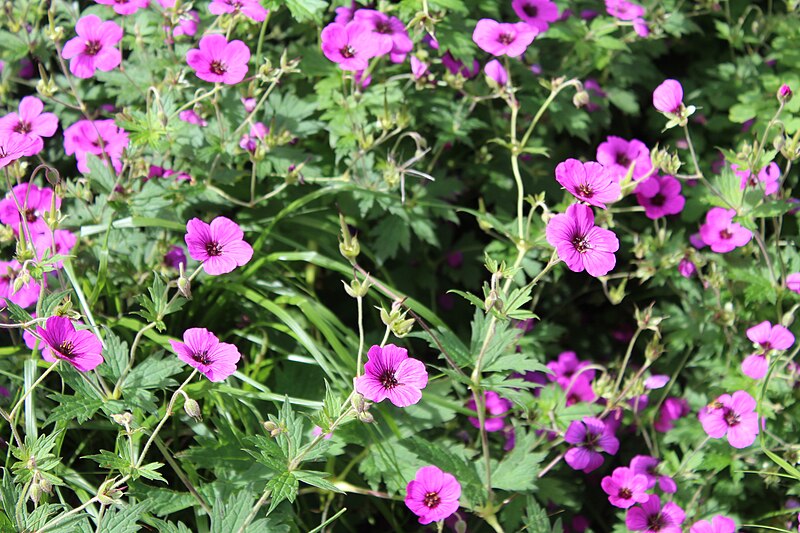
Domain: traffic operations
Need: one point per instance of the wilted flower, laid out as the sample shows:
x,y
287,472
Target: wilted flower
x,y
219,245
82,349
581,244
589,182
95,47
733,416
31,123
219,61
721,233
391,373
432,495
502,38
589,436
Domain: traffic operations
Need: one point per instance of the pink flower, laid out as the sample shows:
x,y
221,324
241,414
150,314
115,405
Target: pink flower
x,y
219,61
202,350
793,282
391,373
624,10
768,338
94,48
668,97
769,176
589,435
617,155
495,412
457,67
784,93
190,116
656,381
317,431
419,68
61,240
732,415
589,182
581,244
646,466
26,296
35,202
344,14
82,349
187,24
175,256
566,366
251,9
351,46
494,71
718,524
249,104
249,141
625,488
660,196
721,233
502,38
641,28
536,13
124,7
219,245
755,366
31,123
672,409
652,518
432,495
579,390
13,146
686,268
99,137
389,33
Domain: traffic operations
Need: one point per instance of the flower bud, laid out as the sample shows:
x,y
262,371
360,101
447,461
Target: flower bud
x,y
348,244
580,99
123,419
273,429
108,495
784,94
184,286
356,288
192,408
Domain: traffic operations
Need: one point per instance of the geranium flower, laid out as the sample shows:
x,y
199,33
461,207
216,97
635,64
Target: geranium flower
x,y
251,9
793,282
27,295
536,13
249,141
432,495
496,409
495,71
96,137
202,350
721,233
389,33
35,203
187,24
733,416
625,488
31,123
590,435
581,244
502,38
686,268
718,524
219,245
768,338
457,67
124,7
624,10
82,349
190,116
617,155
647,466
219,61
175,256
668,97
652,518
769,176
672,409
350,46
660,196
566,366
95,47
13,146
391,373
589,182
419,68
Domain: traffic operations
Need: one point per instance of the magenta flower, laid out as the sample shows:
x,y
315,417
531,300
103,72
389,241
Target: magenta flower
x,y
82,349
495,71
351,46
457,67
625,488
660,196
219,61
124,7
656,381
251,9
769,176
581,244
175,256
672,409
652,518
784,93
26,296
686,268
13,146
502,38
721,233
589,436
345,14
219,245
646,466
589,182
624,10
768,338
419,68
31,123
202,350
391,373
733,416
793,282
249,104
389,33
35,203
617,155
566,366
99,137
495,412
187,24
640,27
718,524
59,242
190,116
538,14
668,97
432,495
249,141
94,48
579,390
317,431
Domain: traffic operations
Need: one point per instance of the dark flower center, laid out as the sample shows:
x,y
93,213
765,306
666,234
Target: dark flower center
x,y
505,38
731,418
658,200
202,357
236,4
388,380
348,52
218,67
656,522
625,493
591,440
30,215
580,243
92,48
213,249
23,127
432,500
725,234
66,348
531,10
585,190
3,152
623,159
752,181
384,28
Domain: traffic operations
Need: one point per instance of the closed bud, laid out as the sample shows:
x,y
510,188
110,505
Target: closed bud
x,y
22,279
653,350
123,419
107,494
401,328
778,142
192,408
580,99
784,94
35,493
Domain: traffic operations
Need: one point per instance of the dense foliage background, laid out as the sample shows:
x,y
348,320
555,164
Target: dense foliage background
x,y
424,185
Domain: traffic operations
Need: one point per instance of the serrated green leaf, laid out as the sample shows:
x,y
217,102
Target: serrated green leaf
x,y
317,479
282,487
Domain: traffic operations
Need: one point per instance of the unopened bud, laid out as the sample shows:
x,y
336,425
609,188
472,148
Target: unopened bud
x,y
23,278
580,99
356,288
35,493
273,429
348,244
108,495
123,419
192,408
184,285
784,94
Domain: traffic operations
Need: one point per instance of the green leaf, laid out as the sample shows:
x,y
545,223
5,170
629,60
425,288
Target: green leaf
x,y
115,354
100,176
307,10
149,471
536,520
317,479
229,516
77,407
282,487
518,469
124,520
783,464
